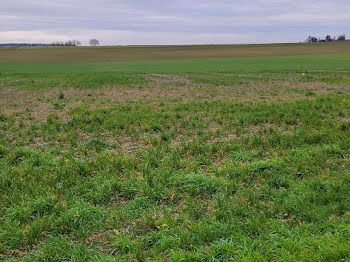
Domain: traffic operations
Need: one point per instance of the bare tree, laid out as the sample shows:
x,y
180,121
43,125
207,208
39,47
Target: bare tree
x,y
94,42
342,37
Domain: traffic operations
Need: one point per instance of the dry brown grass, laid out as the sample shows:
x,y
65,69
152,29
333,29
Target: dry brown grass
x,y
14,99
35,106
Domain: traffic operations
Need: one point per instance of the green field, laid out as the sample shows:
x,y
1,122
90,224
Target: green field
x,y
202,153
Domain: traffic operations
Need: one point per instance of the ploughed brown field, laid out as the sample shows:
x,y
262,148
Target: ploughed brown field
x,y
135,53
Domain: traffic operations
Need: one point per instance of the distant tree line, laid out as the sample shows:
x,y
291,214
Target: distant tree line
x,y
23,45
328,38
67,43
92,42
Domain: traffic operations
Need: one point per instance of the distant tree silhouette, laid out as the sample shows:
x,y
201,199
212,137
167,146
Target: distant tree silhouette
x,y
342,37
67,43
311,39
94,42
329,38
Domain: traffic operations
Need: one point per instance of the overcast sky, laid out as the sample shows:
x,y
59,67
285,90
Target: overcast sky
x,y
120,22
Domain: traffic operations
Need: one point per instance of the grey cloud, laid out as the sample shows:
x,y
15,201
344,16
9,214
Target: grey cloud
x,y
157,20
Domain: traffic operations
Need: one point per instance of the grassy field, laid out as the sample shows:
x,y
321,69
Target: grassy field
x,y
204,156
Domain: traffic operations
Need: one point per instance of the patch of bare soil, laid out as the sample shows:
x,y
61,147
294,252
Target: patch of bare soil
x,y
163,78
344,119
